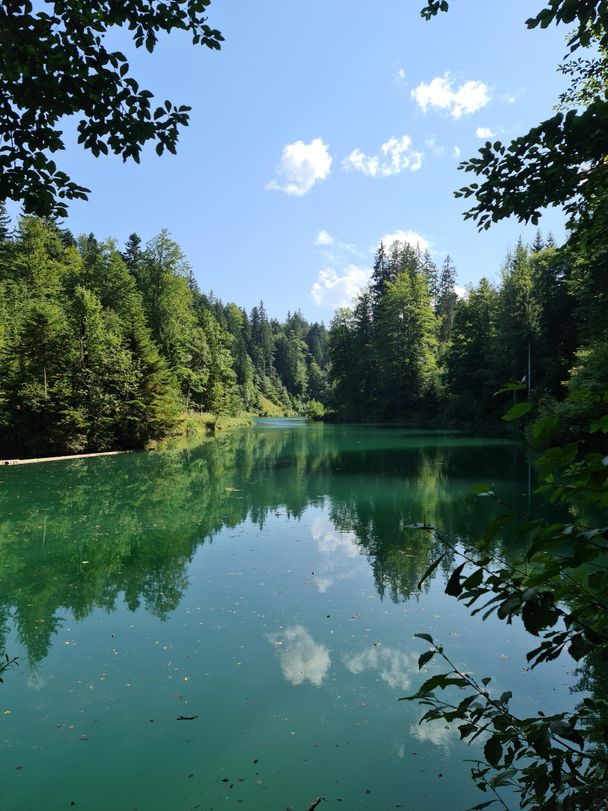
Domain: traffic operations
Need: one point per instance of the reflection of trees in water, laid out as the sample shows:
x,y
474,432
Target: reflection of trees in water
x,y
593,679
78,536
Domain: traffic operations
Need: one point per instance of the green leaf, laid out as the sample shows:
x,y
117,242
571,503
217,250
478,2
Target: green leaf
x,y
496,525
425,657
480,489
511,387
493,751
517,411
454,587
473,580
600,425
545,428
579,647
430,570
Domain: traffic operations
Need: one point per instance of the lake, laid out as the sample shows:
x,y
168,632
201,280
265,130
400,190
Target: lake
x,y
231,624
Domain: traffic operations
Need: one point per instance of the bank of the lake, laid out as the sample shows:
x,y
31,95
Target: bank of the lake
x,y
230,624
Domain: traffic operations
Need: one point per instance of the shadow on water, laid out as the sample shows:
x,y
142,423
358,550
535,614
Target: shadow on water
x,y
81,535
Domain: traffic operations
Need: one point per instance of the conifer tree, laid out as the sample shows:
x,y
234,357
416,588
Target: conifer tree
x,y
446,300
5,224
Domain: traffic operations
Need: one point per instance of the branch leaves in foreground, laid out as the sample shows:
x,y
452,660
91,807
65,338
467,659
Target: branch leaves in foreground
x,y
558,589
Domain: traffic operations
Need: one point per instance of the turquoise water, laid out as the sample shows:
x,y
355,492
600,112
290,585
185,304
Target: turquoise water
x,y
262,587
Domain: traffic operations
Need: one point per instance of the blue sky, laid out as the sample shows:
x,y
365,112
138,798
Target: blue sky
x,y
320,128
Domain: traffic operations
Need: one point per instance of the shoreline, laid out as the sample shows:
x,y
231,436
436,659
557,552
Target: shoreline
x,y
5,462
197,429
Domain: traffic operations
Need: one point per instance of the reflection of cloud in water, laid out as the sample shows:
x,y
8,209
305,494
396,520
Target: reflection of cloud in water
x,y
339,551
330,540
436,732
302,659
394,667
323,583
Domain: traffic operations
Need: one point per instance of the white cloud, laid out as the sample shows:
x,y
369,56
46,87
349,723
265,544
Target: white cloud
x,y
394,666
509,98
301,658
411,237
431,143
331,541
395,156
399,77
484,132
333,290
324,238
435,731
440,94
461,292
457,152
301,166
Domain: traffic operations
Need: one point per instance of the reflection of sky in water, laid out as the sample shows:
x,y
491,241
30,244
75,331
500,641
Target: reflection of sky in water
x,y
301,658
436,732
338,550
394,667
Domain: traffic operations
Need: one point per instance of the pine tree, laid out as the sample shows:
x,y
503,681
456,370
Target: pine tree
x,y
5,224
406,331
539,243
447,299
431,274
471,366
519,316
380,273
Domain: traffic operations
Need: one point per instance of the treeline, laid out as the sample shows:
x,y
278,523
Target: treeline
x,y
411,349
103,349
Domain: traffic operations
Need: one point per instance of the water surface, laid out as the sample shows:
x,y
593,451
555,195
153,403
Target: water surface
x,y
263,584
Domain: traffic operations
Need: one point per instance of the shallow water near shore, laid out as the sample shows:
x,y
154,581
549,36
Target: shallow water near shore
x,y
231,625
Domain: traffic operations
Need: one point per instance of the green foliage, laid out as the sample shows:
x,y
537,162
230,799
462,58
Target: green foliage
x,y
68,39
6,664
102,350
557,589
315,410
402,355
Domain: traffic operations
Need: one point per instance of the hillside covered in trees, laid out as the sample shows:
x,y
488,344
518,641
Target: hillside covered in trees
x,y
103,349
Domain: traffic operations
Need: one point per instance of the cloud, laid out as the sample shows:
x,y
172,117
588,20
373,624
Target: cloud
x,y
509,98
300,657
395,156
340,556
323,238
331,541
301,166
431,143
440,94
411,237
435,731
333,290
484,132
457,152
461,292
394,666
399,77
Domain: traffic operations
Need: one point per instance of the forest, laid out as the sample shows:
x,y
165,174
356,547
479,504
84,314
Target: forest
x,y
104,349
